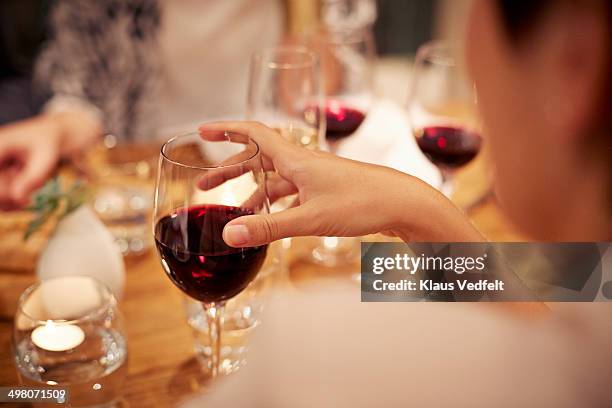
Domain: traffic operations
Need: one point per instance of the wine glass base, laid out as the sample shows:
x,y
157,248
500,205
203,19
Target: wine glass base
x,y
241,318
334,251
232,359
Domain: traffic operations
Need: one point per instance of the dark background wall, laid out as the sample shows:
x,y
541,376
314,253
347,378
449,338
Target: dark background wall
x,y
403,25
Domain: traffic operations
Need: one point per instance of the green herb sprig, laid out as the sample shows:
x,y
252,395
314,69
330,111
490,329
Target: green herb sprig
x,y
50,199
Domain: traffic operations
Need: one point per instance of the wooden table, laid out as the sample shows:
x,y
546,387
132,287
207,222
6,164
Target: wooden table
x,y
162,367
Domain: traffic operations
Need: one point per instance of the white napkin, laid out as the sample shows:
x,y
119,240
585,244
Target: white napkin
x,y
385,138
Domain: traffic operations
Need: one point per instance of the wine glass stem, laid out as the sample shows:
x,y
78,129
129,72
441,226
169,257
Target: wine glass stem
x,y
214,317
447,186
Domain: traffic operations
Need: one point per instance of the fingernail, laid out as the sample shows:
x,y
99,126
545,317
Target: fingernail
x,y
236,235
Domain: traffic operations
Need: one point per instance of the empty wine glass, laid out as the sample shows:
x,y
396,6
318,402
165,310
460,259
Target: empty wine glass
x,y
201,186
285,93
443,112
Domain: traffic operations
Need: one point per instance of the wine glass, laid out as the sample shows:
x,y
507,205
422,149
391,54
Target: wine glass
x,y
443,111
201,186
285,93
347,61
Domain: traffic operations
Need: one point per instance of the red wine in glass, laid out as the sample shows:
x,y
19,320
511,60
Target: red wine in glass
x,y
341,121
196,258
448,147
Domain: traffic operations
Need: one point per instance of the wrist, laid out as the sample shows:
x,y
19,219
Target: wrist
x,y
74,131
426,215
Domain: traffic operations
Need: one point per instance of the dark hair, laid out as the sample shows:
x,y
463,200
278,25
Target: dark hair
x,y
520,18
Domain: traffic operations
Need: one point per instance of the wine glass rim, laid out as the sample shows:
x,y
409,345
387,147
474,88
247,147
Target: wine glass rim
x,y
109,301
211,167
347,35
431,52
297,49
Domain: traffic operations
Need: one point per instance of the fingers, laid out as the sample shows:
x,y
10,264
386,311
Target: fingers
x,y
254,230
10,164
229,169
214,178
276,187
39,163
7,175
270,142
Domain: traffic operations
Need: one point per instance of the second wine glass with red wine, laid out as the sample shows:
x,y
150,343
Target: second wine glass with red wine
x,y
201,186
347,61
347,56
443,111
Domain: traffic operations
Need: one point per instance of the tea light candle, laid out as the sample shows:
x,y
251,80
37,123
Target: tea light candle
x,y
57,337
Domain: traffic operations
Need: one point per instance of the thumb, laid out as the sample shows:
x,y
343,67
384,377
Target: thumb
x,y
253,230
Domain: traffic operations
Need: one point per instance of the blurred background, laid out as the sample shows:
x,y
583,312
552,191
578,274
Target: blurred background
x,y
399,28
89,90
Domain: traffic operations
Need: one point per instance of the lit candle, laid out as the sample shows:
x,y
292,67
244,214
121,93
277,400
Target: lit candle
x,y
57,336
330,242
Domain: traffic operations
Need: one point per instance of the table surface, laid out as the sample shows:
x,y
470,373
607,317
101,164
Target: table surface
x,y
162,368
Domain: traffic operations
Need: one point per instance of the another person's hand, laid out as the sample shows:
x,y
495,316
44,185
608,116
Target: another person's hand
x,y
30,150
339,197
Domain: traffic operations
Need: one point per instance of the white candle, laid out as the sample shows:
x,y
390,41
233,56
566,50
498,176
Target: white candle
x,y
57,336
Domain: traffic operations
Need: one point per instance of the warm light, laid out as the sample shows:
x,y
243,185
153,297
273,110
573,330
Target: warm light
x,y
57,336
335,108
330,242
286,243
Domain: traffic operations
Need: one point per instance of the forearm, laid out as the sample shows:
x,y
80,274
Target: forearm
x,y
75,131
418,212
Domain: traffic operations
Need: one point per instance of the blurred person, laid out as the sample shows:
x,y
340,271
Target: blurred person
x,y
153,65
30,144
542,71
30,149
138,69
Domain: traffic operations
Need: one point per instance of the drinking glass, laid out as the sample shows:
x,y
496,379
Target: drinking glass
x,y
122,173
68,333
201,186
347,61
285,93
443,111
242,315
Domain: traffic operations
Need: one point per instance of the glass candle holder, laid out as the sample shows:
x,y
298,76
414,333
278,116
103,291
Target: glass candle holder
x,y
68,333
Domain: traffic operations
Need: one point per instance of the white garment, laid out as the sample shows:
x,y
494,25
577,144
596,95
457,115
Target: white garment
x,y
205,50
327,349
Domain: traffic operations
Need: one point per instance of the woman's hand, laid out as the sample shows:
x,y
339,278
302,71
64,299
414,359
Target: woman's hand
x,y
30,150
338,197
